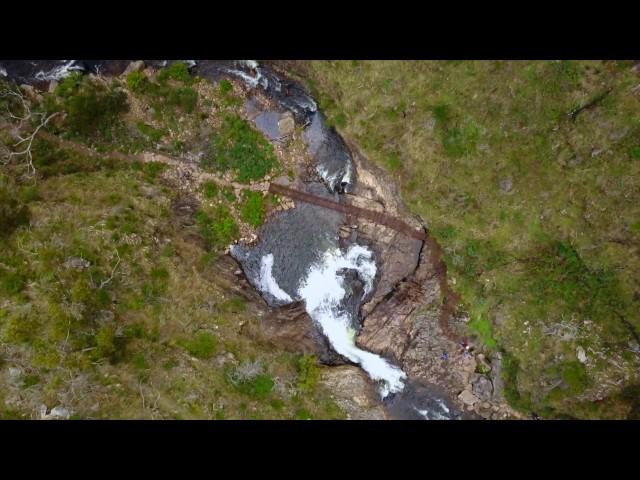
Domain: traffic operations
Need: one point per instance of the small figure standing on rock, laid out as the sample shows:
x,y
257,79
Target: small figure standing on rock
x,y
445,356
466,348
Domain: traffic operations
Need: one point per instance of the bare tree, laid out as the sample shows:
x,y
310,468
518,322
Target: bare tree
x,y
27,141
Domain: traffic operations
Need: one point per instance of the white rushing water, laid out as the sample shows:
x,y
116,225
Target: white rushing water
x,y
323,291
60,72
268,283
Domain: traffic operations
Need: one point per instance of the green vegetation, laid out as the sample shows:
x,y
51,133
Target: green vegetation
x,y
108,297
225,86
13,213
308,372
536,209
252,208
155,134
85,292
210,189
93,109
239,147
218,227
202,346
176,71
171,90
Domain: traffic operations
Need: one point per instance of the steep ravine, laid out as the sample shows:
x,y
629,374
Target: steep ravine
x,y
361,296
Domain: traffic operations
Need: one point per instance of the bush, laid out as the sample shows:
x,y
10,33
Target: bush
x,y
69,85
225,86
137,81
185,98
94,109
176,71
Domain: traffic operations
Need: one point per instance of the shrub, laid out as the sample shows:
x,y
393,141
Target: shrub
x,y
69,85
225,86
185,98
137,81
94,108
176,71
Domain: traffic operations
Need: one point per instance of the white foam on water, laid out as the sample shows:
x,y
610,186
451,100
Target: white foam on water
x,y
323,291
268,283
3,72
434,415
58,73
248,79
330,180
443,405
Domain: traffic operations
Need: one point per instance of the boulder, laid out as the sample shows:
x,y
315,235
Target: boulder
x,y
506,185
286,124
468,398
482,387
581,354
77,263
353,392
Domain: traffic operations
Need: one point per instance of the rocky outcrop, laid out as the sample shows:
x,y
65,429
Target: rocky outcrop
x,y
353,392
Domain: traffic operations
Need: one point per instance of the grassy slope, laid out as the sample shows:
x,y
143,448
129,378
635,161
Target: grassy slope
x,y
143,329
552,264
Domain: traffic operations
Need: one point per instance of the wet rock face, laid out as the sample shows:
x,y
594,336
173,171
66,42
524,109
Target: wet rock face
x,y
331,155
422,402
291,329
296,238
288,94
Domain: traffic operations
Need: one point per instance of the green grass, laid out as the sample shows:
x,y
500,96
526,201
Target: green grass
x,y
258,387
218,227
13,212
252,208
308,372
154,134
210,189
140,320
202,346
559,247
237,146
